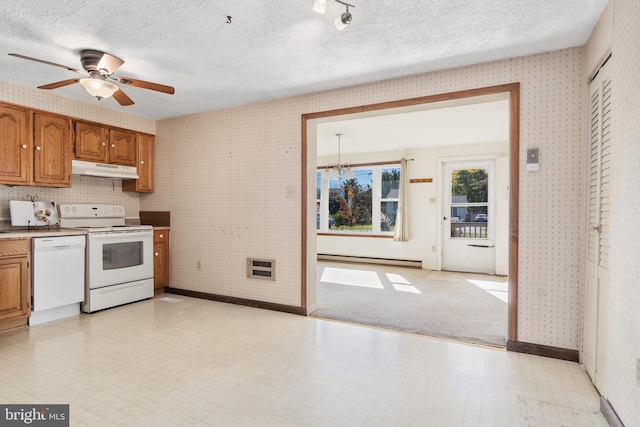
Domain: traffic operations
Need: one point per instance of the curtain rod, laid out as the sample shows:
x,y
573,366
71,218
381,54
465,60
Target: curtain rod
x,y
358,165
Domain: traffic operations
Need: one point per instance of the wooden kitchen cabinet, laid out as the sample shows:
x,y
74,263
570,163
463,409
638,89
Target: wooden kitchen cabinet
x,y
91,142
144,164
52,150
38,156
15,284
16,152
98,143
161,258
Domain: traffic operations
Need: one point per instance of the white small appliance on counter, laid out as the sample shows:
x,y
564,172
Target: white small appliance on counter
x,y
119,262
32,214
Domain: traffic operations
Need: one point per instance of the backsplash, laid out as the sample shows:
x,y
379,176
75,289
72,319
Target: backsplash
x,y
85,189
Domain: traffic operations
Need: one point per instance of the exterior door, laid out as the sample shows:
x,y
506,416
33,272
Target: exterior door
x,y
597,292
468,218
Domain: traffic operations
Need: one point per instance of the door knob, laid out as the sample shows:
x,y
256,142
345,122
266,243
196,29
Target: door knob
x,y
596,228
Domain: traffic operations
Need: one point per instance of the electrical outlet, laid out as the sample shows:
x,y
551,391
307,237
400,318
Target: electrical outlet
x,y
291,191
199,265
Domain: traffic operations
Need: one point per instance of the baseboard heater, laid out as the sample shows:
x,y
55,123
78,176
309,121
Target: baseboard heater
x,y
369,260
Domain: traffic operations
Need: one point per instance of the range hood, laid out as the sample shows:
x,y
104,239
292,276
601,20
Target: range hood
x,y
103,170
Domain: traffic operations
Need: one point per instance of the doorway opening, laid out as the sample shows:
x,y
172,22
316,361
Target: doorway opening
x,y
309,162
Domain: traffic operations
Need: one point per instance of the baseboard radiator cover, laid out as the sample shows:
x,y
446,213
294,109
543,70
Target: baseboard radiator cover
x,y
370,260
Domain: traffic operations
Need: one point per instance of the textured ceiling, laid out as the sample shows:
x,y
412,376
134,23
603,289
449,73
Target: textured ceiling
x,y
273,49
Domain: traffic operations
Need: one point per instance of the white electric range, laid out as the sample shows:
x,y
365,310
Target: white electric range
x,y
119,262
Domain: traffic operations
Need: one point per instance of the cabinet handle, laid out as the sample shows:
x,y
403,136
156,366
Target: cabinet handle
x,y
24,146
104,143
156,253
113,145
161,236
142,162
38,148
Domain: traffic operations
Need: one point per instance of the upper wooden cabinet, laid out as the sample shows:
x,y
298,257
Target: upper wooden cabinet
x,y
34,155
97,143
91,142
122,147
16,145
144,164
52,150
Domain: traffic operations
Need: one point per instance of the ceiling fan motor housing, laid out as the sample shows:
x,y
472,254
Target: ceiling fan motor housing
x,y
95,60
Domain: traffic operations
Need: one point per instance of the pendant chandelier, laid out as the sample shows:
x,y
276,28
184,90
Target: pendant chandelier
x,y
335,170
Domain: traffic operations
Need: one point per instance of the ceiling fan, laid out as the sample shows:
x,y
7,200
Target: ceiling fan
x,y
100,66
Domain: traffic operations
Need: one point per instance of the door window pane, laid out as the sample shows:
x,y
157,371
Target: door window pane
x,y
469,203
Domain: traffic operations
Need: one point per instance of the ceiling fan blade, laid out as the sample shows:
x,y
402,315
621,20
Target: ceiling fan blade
x,y
147,85
17,55
122,98
59,84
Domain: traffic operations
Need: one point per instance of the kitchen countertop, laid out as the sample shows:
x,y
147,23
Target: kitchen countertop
x,y
9,232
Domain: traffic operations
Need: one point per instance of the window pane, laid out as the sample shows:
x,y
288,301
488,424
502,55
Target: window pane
x,y
388,212
318,185
350,202
390,183
469,186
469,222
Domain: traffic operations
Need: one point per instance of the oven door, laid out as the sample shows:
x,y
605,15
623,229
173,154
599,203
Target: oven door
x,y
117,257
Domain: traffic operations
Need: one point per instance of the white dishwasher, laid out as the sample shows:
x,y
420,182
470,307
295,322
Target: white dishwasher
x,y
57,277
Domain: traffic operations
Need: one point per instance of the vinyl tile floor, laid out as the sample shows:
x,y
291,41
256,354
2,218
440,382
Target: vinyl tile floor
x,y
174,360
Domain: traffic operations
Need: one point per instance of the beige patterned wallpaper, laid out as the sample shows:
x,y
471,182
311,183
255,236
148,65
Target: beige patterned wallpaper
x,y
84,189
223,175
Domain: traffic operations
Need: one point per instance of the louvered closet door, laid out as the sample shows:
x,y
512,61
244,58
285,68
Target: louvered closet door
x,y
597,292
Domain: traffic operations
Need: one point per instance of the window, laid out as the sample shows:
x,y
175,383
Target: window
x,y
367,203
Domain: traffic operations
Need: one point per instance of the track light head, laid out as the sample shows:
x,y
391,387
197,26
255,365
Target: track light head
x,y
343,20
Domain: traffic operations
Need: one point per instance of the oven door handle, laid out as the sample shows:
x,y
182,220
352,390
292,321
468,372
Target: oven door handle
x,y
120,235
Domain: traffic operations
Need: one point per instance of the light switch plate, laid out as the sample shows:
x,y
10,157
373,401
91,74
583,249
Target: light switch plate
x,y
533,162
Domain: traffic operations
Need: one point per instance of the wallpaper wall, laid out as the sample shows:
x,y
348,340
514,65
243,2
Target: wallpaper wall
x,y
618,33
84,189
227,172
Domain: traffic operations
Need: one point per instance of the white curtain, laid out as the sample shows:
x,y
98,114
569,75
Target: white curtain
x,y
401,233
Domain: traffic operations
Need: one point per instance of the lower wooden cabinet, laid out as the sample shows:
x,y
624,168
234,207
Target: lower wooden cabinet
x,y
160,258
15,283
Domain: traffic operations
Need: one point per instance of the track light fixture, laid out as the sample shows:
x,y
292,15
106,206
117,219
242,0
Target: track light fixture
x,y
320,6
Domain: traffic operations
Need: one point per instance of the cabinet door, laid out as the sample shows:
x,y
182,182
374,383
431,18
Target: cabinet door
x,y
122,147
15,145
91,142
15,289
145,166
52,151
161,258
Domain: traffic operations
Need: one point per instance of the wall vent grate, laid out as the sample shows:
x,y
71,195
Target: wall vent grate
x,y
261,269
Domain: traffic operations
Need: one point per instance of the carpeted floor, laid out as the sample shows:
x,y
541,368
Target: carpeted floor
x,y
463,307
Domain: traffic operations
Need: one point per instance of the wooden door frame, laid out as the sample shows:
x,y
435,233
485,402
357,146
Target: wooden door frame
x,y
513,89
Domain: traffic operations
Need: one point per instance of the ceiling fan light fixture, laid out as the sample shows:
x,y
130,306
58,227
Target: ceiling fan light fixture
x,y
98,88
320,6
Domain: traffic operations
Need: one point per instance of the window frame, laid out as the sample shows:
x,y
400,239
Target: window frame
x,y
376,201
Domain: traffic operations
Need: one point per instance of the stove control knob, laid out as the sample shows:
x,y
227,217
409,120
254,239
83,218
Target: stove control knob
x,y
73,209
